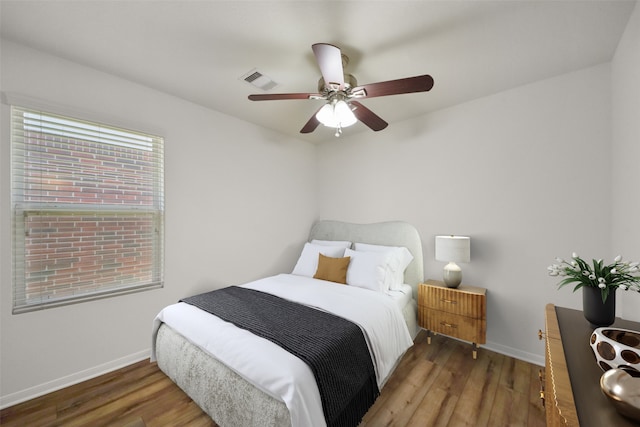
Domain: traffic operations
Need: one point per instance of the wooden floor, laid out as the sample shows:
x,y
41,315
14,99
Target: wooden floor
x,y
435,385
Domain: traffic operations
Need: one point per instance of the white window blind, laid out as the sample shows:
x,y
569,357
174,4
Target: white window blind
x,y
88,210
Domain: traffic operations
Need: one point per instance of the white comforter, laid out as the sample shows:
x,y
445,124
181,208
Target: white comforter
x,y
276,371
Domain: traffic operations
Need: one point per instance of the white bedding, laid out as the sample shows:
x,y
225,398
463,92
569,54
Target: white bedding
x,y
401,296
274,370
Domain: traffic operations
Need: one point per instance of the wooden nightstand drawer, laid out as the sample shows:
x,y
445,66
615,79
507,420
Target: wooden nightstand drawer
x,y
456,301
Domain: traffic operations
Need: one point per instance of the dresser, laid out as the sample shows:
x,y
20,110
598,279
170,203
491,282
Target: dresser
x,y
571,378
456,312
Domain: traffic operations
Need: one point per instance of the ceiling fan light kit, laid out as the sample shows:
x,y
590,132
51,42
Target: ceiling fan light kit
x,y
336,114
340,92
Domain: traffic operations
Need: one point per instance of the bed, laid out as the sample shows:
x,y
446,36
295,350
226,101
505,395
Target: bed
x,y
256,383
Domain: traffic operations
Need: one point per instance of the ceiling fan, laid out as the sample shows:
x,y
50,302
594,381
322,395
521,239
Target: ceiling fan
x,y
341,92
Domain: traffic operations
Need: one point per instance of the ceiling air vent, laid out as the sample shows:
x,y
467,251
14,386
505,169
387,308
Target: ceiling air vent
x,y
259,80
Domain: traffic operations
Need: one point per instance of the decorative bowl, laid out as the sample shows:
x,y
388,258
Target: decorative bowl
x,y
623,391
617,348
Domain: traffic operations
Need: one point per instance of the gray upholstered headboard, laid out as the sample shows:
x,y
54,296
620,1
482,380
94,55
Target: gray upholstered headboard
x,y
392,233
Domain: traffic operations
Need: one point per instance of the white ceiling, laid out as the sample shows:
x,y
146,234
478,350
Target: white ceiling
x,y
198,50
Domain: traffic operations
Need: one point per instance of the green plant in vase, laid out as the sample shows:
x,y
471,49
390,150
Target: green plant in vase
x,y
597,279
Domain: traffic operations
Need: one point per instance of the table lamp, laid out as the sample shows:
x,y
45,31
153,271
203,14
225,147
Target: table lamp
x,y
452,249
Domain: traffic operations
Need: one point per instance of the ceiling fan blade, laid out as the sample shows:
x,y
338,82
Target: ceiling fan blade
x,y
278,96
395,87
368,117
312,124
330,62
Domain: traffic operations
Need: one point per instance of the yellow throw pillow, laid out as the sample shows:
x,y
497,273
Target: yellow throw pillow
x,y
332,269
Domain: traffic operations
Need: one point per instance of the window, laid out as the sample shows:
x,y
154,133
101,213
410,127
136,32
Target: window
x,y
88,210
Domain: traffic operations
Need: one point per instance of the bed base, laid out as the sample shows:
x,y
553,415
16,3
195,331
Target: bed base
x,y
223,394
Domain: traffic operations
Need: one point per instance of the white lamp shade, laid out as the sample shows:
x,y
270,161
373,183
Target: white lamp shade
x,y
344,114
325,115
453,248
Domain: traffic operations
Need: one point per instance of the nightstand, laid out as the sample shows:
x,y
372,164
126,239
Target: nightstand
x,y
457,312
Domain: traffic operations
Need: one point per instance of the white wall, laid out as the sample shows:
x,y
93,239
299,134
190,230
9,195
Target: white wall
x,y
239,204
625,167
525,173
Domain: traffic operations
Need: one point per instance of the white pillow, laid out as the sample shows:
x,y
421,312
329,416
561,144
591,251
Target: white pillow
x,y
308,262
341,243
399,259
367,270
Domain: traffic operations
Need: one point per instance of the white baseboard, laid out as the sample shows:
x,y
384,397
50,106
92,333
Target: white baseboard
x,y
78,377
536,359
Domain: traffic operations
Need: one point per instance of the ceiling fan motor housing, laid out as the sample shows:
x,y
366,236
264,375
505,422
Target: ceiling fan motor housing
x,y
349,83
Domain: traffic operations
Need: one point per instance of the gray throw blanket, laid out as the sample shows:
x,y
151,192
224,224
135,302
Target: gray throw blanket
x,y
334,348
